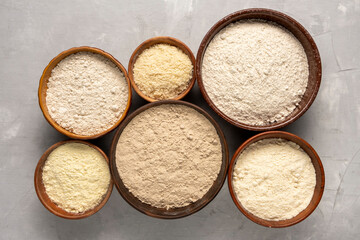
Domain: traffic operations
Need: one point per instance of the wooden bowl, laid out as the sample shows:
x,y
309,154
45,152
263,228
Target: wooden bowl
x,y
173,212
158,40
298,31
319,187
43,88
44,198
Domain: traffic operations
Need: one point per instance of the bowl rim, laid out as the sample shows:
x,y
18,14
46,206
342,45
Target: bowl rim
x,y
42,195
233,17
218,183
161,40
43,87
320,181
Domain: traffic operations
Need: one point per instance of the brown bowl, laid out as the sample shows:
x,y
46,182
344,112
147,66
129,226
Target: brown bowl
x,y
319,187
43,88
44,198
298,31
173,212
153,41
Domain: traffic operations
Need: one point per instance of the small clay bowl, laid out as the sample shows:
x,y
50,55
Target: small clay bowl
x,y
319,187
44,198
298,31
45,79
160,40
171,213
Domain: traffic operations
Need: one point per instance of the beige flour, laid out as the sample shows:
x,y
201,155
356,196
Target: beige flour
x,y
87,94
169,156
274,179
255,72
162,71
76,177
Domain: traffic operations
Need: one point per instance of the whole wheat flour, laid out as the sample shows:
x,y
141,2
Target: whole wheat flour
x,y
255,72
87,93
274,179
76,177
169,156
162,71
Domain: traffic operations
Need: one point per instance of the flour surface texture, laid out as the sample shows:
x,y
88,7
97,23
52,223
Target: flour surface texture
x,y
274,179
87,93
76,177
169,156
255,72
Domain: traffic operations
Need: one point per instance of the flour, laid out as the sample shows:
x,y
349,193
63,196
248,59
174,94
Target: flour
x,y
255,72
169,156
87,94
76,177
162,71
274,179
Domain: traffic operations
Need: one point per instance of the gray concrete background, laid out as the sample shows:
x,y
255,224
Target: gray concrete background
x,y
33,32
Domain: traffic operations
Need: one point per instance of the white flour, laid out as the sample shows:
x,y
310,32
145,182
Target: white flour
x,y
274,179
87,93
169,156
255,72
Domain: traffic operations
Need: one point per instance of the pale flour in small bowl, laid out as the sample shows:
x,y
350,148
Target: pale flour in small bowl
x,y
274,179
86,93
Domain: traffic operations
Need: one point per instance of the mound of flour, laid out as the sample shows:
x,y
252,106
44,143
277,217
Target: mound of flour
x,y
87,93
274,179
169,156
255,72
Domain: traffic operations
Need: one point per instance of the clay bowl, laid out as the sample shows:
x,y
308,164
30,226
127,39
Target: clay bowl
x,y
45,78
44,198
298,31
172,213
158,40
319,187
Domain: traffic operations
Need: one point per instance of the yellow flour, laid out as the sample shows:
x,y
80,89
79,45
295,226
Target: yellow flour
x,y
162,71
76,177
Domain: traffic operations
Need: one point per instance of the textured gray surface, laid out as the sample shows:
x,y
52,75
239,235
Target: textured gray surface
x,y
32,33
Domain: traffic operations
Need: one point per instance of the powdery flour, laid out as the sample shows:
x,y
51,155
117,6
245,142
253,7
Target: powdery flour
x,y
76,177
169,156
87,93
255,72
274,179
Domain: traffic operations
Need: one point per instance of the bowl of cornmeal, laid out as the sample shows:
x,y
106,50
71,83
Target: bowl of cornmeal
x,y
162,68
276,179
73,180
84,93
259,69
169,159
